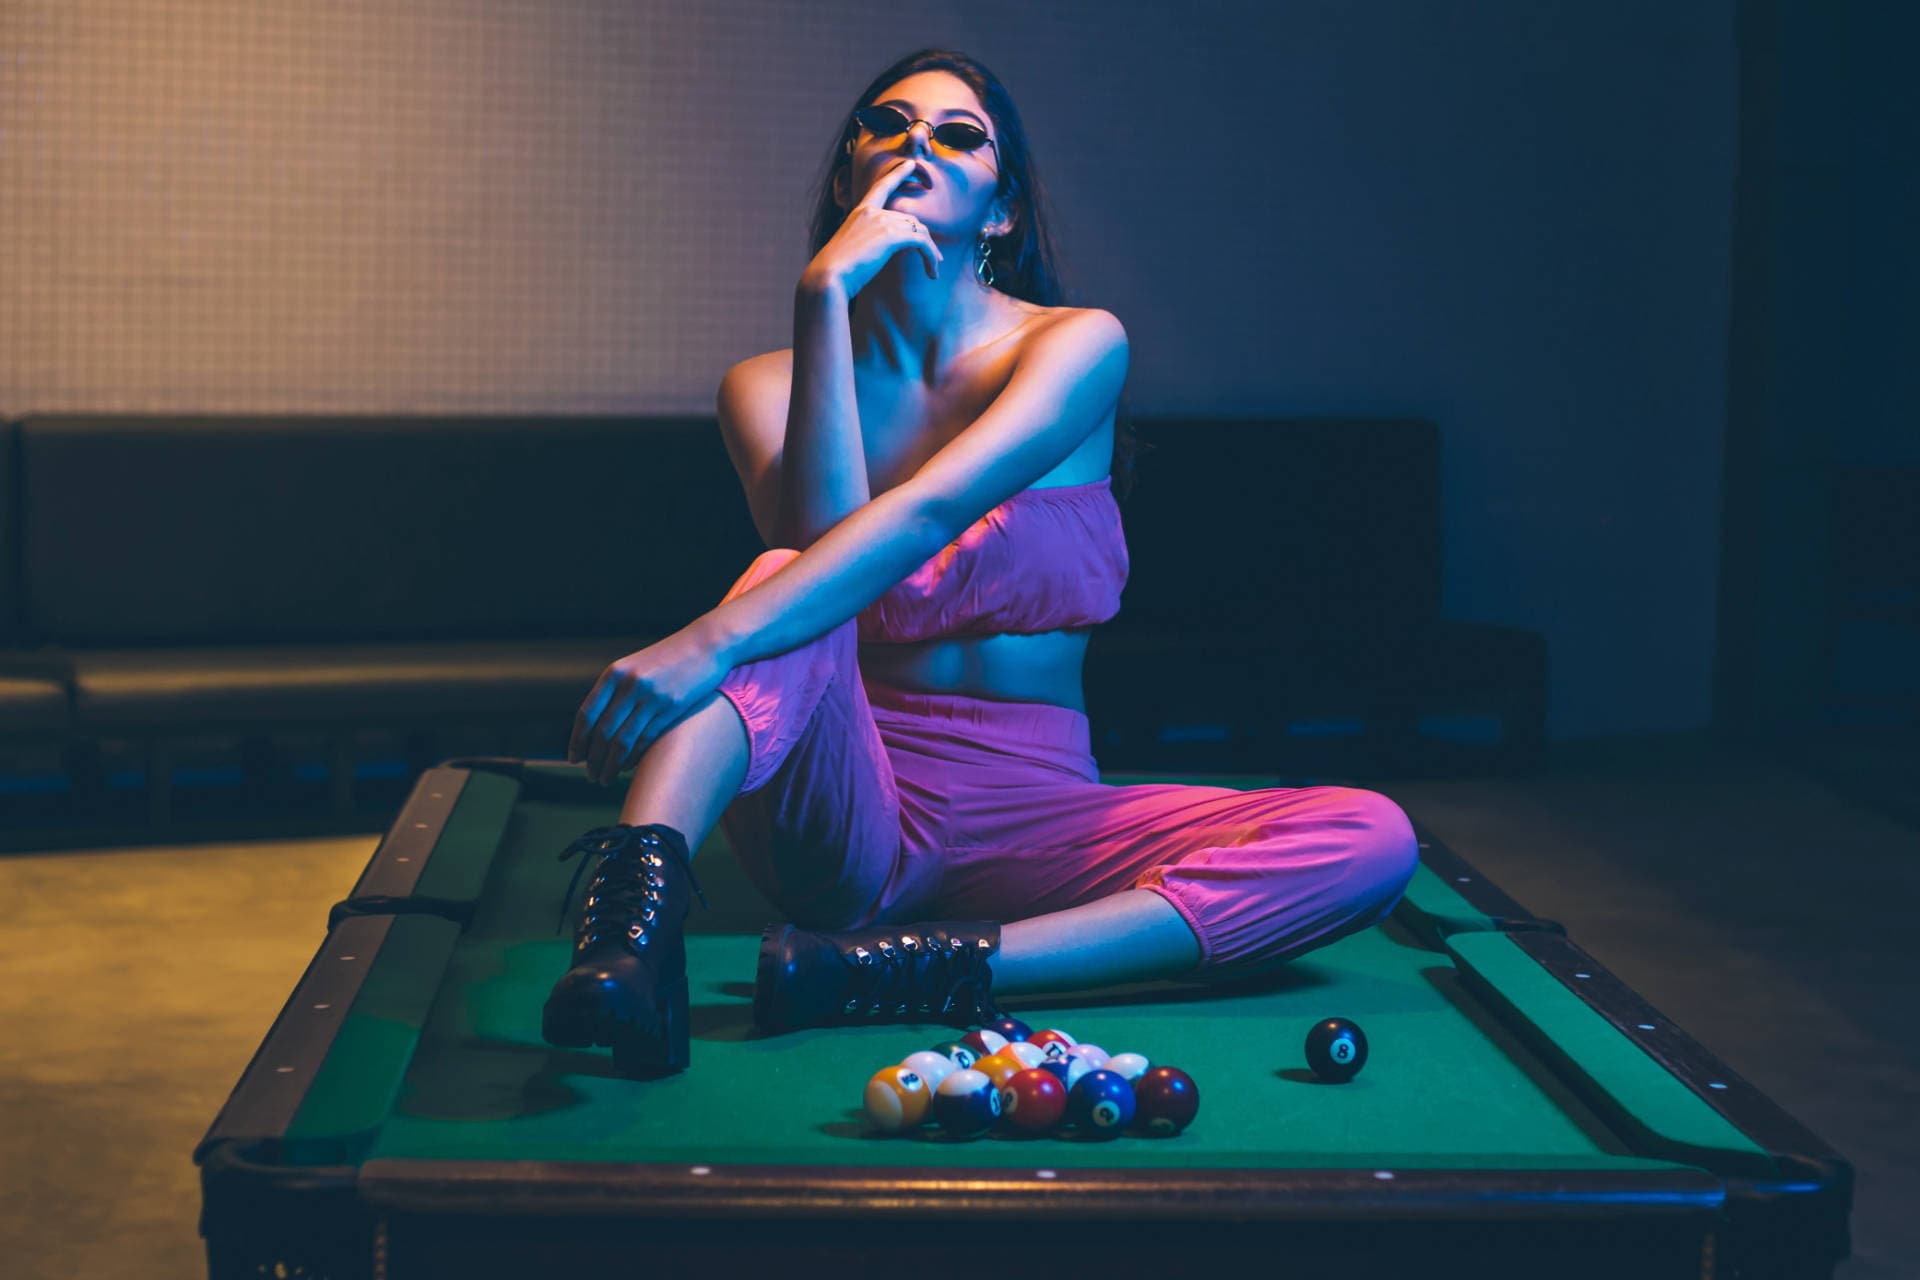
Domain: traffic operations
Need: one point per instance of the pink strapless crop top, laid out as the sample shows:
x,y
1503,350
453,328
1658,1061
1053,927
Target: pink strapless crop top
x,y
1042,560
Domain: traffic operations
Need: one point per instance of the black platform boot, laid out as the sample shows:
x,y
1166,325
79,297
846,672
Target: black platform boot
x,y
933,971
628,984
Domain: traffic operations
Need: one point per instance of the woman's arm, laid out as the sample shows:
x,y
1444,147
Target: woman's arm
x,y
849,567
1064,385
823,467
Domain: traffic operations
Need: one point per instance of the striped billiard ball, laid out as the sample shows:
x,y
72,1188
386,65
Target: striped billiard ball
x,y
1093,1053
962,1055
933,1067
1028,1054
895,1099
966,1104
1055,1043
984,1041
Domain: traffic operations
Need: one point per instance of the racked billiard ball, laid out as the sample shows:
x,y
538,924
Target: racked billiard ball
x,y
1336,1049
1033,1101
1093,1053
1053,1041
932,1066
1165,1100
983,1041
963,1055
999,1067
1012,1028
896,1098
1027,1053
966,1104
1101,1103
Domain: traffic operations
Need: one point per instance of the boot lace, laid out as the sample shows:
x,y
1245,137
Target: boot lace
x,y
619,896
927,977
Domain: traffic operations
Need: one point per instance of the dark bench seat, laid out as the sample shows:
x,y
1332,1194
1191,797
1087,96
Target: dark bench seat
x,y
166,577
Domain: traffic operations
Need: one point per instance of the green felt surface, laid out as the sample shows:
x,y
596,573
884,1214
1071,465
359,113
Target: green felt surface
x,y
1440,1089
446,1061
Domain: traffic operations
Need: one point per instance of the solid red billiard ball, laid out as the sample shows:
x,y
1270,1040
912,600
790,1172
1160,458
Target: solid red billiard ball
x,y
1032,1101
1165,1100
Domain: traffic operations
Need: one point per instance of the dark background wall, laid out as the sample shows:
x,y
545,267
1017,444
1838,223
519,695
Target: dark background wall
x,y
1820,613
1558,231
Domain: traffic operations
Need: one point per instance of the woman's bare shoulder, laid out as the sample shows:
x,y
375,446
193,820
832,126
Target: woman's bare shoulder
x,y
1037,319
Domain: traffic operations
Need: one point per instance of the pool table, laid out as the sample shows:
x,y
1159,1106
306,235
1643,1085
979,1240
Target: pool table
x,y
1522,1109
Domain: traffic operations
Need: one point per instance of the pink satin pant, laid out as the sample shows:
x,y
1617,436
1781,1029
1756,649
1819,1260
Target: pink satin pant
x,y
865,804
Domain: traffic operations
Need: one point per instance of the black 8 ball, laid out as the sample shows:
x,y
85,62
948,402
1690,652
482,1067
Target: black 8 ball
x,y
1336,1049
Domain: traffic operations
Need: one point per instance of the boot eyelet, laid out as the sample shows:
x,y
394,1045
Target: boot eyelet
x,y
649,914
852,1006
909,943
862,956
656,880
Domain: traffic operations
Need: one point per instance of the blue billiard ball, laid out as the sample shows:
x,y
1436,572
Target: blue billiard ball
x,y
1061,1067
1101,1104
1011,1028
967,1103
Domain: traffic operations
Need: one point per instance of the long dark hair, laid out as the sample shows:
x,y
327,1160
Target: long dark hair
x,y
1024,258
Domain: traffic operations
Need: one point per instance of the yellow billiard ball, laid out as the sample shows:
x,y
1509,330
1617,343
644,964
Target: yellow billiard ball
x,y
1000,1067
896,1099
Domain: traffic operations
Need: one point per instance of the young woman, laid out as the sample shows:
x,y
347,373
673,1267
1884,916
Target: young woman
x,y
885,711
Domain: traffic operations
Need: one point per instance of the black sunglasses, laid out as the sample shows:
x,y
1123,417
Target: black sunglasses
x,y
955,135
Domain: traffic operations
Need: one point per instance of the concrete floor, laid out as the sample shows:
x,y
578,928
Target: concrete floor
x,y
1760,907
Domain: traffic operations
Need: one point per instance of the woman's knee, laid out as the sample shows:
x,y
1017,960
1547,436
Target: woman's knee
x,y
1385,852
762,567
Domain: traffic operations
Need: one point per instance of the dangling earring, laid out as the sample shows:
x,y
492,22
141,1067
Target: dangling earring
x,y
983,270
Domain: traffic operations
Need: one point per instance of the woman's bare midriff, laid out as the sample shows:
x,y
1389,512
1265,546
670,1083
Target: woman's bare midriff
x,y
902,425
1011,668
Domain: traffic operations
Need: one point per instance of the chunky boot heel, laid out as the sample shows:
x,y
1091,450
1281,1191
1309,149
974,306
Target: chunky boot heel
x,y
642,1051
628,985
935,971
